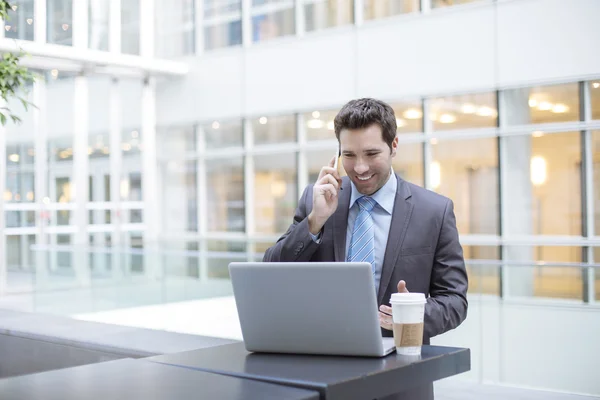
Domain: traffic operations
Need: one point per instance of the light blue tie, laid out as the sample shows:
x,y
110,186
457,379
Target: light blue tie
x,y
362,244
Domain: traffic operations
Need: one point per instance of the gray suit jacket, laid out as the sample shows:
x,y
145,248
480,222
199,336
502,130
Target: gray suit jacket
x,y
422,249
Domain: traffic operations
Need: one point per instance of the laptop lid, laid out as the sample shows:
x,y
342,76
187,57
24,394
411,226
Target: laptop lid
x,y
308,307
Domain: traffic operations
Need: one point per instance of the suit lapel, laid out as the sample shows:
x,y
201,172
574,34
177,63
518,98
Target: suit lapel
x,y
400,218
340,221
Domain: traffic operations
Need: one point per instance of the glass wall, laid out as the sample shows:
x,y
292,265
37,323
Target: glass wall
x,y
272,18
20,20
175,28
60,22
222,23
98,14
376,9
449,3
130,27
464,111
321,14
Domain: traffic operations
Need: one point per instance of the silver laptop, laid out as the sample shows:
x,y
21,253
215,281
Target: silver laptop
x,y
308,308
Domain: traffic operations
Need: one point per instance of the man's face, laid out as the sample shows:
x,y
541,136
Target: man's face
x,y
367,159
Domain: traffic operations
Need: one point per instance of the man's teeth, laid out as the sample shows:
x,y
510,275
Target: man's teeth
x,y
365,178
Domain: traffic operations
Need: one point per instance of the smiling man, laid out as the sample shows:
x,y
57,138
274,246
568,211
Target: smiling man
x,y
407,234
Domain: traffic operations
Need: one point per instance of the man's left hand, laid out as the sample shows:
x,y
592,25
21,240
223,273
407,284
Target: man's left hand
x,y
385,312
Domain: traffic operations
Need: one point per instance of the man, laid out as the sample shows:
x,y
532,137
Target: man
x,y
407,233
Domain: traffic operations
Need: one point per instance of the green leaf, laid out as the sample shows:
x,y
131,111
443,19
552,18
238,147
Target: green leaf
x,y
15,119
2,119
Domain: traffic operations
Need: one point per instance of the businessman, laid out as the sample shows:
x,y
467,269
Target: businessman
x,y
407,234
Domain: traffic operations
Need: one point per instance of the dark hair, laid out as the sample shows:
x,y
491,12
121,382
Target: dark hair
x,y
362,113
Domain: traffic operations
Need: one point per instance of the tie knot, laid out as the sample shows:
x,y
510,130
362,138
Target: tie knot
x,y
366,203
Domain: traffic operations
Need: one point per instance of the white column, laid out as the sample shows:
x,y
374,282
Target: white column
x,y
249,186
39,21
358,12
3,270
81,23
425,6
149,161
299,18
81,178
42,198
199,26
202,203
114,26
246,23
516,193
116,160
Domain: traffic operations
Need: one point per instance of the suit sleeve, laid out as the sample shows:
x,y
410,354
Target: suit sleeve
x,y
446,307
297,243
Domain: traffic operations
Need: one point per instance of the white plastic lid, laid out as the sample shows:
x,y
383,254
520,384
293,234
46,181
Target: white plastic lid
x,y
408,298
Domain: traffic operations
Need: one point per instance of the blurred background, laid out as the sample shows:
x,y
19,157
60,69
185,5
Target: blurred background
x,y
172,137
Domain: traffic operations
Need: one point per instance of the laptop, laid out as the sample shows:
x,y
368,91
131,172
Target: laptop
x,y
325,308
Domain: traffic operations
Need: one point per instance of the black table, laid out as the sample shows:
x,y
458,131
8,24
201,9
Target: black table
x,y
334,377
131,379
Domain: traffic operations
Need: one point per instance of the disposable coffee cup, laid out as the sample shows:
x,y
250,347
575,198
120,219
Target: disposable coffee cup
x,y
408,311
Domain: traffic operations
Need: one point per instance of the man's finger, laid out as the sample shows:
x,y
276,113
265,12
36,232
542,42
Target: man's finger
x,y
385,309
402,287
385,321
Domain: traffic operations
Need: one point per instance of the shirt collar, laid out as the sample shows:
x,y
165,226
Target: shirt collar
x,y
385,196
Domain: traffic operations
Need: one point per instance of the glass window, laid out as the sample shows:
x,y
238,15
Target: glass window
x,y
20,20
175,33
319,125
19,255
464,111
275,192
550,280
130,27
596,177
20,163
543,184
98,24
130,186
269,130
60,22
376,9
180,198
225,195
220,134
541,104
177,142
322,14
466,171
448,3
272,18
220,254
409,116
408,162
595,96
222,23
484,274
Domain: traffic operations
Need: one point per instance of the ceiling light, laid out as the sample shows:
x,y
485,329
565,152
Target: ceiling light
x,y
46,200
30,21
412,113
216,125
14,157
468,109
7,28
315,123
486,112
532,102
126,146
316,114
15,7
545,106
400,122
537,133
29,196
447,118
7,195
538,170
433,141
560,108
263,120
65,27
330,125
54,73
596,85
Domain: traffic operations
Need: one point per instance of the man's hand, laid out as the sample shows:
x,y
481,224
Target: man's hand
x,y
385,312
325,197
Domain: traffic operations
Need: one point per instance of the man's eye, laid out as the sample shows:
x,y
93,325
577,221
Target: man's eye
x,y
372,154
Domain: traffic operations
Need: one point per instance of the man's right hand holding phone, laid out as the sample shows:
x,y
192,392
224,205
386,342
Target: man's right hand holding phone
x,y
325,197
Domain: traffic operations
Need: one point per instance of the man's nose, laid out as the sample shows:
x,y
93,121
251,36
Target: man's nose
x,y
361,167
